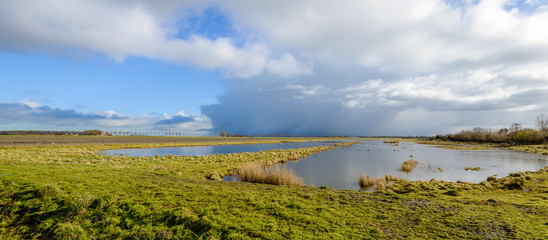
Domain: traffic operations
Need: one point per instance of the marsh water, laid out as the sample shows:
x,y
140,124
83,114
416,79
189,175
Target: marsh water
x,y
341,167
208,150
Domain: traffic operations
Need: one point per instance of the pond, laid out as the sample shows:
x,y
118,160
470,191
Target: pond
x,y
207,150
341,168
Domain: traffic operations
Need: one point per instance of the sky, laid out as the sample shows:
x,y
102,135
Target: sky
x,y
390,67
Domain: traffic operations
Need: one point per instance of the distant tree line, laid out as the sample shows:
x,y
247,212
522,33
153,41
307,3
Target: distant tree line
x,y
224,134
25,132
515,134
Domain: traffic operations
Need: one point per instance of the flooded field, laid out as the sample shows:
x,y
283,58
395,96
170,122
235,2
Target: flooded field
x,y
341,167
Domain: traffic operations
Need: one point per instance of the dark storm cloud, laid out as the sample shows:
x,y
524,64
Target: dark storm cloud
x,y
424,105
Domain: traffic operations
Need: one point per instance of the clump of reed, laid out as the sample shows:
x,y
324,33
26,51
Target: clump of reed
x,y
275,175
366,181
379,184
408,165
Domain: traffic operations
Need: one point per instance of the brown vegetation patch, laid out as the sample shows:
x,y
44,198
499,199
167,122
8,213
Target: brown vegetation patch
x,y
269,174
409,165
379,184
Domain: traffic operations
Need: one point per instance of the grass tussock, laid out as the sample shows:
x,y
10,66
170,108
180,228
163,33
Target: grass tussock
x,y
275,175
379,184
408,165
366,181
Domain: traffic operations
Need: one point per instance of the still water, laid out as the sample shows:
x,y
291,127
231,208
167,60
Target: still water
x,y
207,150
342,167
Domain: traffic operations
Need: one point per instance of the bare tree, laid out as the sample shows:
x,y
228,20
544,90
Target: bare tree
x,y
223,133
515,127
542,123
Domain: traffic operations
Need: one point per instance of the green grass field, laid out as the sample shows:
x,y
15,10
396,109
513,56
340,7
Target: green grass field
x,y
68,192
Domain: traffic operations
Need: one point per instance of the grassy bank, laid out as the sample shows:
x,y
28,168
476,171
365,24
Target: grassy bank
x,y
67,192
49,140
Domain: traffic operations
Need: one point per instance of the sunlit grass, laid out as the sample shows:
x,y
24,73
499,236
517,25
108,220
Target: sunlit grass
x,y
68,192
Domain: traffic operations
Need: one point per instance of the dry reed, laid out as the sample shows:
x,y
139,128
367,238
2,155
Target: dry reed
x,y
409,165
366,181
379,184
269,174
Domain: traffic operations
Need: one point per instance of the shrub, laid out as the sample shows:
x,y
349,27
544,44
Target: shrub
x,y
514,134
528,136
94,132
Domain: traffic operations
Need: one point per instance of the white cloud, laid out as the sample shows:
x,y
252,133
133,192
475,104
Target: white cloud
x,y
392,35
130,28
288,66
396,35
30,103
306,91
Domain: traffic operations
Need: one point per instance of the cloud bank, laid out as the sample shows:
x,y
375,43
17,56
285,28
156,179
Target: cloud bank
x,y
29,112
314,67
395,67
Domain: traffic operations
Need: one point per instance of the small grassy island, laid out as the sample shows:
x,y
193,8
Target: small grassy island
x,y
65,190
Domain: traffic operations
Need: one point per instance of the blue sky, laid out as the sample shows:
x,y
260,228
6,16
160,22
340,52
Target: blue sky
x,y
286,67
134,86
